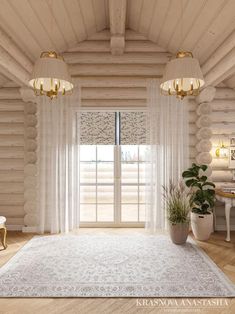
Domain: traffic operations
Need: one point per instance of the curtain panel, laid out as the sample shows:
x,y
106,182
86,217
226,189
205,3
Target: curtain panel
x,y
168,139
58,163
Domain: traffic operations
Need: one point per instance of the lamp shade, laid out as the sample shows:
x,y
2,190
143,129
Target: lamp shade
x,y
183,76
50,75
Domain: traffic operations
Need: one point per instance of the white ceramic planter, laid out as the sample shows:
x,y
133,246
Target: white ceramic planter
x,y
202,226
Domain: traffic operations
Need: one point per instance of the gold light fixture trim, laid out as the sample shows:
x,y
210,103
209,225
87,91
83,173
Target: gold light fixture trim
x,y
221,151
183,76
50,76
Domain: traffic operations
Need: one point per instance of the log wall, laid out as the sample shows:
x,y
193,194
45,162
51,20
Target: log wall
x,y
12,130
223,125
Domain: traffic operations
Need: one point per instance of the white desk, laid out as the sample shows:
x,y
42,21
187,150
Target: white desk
x,y
229,200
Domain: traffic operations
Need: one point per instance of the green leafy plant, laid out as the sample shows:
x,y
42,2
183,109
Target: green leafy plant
x,y
204,191
178,200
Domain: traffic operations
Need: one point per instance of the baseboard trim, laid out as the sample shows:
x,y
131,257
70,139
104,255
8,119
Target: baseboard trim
x,y
35,229
14,227
29,229
223,228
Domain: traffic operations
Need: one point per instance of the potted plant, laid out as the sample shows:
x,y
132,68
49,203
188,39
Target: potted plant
x,y
178,202
203,201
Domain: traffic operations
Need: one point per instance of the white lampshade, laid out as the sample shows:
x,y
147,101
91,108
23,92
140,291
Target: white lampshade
x,y
183,76
50,75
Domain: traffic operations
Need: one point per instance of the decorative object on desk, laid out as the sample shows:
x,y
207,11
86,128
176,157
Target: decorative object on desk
x,y
221,151
178,202
232,141
3,231
203,201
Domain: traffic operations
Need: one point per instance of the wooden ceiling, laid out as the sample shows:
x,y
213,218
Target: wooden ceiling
x,y
200,26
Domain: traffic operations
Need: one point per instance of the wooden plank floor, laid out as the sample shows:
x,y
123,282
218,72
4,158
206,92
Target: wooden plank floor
x,y
222,253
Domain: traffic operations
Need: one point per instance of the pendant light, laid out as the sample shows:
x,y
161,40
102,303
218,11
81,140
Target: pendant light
x,y
183,75
50,75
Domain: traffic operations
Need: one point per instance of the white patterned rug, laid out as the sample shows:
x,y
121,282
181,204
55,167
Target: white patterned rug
x,y
111,266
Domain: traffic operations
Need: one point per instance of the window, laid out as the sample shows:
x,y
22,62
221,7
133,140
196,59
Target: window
x,y
112,176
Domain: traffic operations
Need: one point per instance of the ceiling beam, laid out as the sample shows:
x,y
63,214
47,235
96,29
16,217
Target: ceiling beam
x,y
129,35
117,14
220,53
7,43
221,64
104,46
114,93
13,62
110,81
11,66
230,82
107,58
140,70
222,70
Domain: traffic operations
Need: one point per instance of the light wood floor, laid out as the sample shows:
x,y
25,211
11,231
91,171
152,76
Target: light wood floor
x,y
222,253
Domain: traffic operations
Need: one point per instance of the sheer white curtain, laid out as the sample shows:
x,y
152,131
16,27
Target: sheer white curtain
x,y
58,163
168,153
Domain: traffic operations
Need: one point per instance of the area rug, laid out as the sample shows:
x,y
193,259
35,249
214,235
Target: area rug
x,y
112,266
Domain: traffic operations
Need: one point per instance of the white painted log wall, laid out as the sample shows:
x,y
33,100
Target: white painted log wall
x,y
12,158
223,125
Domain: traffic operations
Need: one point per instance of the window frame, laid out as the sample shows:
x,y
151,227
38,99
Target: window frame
x,y
117,223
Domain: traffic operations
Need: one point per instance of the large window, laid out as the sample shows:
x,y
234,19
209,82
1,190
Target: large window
x,y
112,184
112,169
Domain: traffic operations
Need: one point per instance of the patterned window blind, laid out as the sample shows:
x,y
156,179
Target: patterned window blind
x,y
110,128
133,128
97,128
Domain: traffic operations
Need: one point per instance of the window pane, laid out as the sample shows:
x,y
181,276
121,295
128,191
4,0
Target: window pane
x,y
142,173
105,153
105,172
142,212
87,172
142,194
88,213
87,194
129,194
129,213
142,152
129,152
87,152
105,194
130,173
105,212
